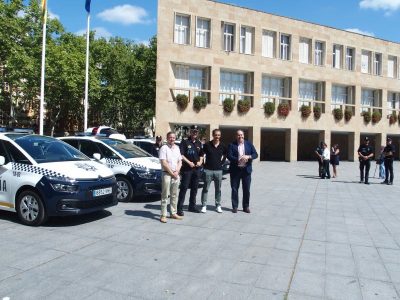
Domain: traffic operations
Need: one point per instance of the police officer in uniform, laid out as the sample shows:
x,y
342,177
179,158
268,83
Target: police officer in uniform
x,y
365,153
388,153
192,160
155,149
318,151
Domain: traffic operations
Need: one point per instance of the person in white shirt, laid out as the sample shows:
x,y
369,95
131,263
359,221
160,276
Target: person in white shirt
x,y
326,156
171,162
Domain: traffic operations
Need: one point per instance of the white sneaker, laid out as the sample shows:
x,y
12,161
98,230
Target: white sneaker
x,y
219,210
204,209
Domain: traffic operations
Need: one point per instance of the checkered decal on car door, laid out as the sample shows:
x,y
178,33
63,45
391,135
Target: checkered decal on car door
x,y
36,170
111,161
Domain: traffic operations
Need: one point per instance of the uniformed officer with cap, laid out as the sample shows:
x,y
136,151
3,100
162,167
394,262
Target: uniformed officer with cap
x,y
192,160
365,153
388,153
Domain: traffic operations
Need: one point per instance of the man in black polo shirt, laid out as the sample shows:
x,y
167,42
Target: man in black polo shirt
x,y
388,153
365,153
215,155
192,160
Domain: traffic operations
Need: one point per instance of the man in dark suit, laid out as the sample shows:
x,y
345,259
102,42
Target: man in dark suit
x,y
241,154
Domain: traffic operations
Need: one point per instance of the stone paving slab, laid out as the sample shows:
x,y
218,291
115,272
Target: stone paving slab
x,y
306,238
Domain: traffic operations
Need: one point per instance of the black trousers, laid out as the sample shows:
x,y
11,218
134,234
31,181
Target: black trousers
x,y
389,170
237,175
364,164
188,178
326,172
320,168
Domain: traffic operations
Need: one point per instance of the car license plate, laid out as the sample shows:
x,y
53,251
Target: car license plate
x,y
102,192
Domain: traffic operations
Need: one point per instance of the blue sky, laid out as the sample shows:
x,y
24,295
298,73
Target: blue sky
x,y
137,20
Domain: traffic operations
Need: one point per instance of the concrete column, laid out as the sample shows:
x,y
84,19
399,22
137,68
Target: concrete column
x,y
351,144
291,137
214,81
356,144
380,140
255,137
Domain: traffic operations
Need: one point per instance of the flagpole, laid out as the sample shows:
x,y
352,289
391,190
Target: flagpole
x,y
41,109
86,103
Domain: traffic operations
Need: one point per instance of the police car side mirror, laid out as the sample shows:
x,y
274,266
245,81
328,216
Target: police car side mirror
x,y
97,156
2,160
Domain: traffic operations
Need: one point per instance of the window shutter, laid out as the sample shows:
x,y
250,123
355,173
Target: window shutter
x,y
287,88
349,99
364,63
391,68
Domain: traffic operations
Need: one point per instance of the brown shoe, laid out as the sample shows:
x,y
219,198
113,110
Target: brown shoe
x,y
234,210
176,217
246,210
163,219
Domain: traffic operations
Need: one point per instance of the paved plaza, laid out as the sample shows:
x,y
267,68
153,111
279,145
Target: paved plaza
x,y
306,238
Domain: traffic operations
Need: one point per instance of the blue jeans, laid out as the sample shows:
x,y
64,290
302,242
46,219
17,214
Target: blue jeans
x,y
216,176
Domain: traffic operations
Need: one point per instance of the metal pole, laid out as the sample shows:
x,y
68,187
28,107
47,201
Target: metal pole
x,y
86,103
41,109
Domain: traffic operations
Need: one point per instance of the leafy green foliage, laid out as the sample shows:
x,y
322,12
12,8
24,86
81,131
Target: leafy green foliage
x,y
199,102
269,108
182,101
228,105
121,73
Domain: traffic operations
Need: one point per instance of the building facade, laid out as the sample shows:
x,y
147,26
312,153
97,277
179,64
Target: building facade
x,y
224,53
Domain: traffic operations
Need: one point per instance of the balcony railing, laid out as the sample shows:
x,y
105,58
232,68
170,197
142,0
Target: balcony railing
x,y
311,103
343,107
236,97
276,100
191,93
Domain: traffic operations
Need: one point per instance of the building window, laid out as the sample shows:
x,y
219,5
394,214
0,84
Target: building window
x,y
365,62
268,43
274,87
350,55
310,92
370,98
203,32
182,29
234,83
228,37
377,64
189,77
337,56
319,53
304,50
246,39
285,47
392,66
393,101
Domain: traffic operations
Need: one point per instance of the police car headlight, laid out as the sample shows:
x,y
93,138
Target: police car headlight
x,y
68,188
146,174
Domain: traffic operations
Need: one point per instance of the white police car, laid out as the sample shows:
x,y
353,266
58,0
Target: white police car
x,y
41,176
137,172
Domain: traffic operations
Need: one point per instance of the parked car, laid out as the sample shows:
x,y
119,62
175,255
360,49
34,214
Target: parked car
x,y
144,143
42,176
105,131
137,172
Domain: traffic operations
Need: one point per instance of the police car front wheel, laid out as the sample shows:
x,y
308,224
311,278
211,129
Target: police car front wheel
x,y
30,208
124,189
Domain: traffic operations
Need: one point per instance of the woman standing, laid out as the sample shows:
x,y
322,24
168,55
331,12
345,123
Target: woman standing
x,y
335,158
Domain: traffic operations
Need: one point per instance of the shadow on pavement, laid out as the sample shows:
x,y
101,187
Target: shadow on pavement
x,y
143,214
76,220
309,176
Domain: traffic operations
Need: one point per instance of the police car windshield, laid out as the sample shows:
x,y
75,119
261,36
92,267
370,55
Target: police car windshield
x,y
46,149
126,149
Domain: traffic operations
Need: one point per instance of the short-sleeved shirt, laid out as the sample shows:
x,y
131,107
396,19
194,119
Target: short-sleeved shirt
x,y
192,150
365,150
389,148
215,156
171,154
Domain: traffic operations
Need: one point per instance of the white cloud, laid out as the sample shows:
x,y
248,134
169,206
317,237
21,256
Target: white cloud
x,y
386,5
100,32
356,30
125,14
53,15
